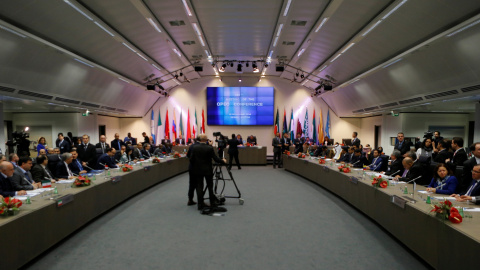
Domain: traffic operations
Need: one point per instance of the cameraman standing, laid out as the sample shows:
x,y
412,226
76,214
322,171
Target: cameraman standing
x,y
201,156
233,151
221,142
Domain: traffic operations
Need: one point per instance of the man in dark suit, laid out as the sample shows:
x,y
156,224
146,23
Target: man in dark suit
x,y
106,159
146,151
468,167
344,156
357,159
87,152
166,140
201,156
63,170
180,140
63,144
192,184
459,154
396,167
137,152
286,142
145,138
103,144
376,164
298,142
13,158
252,140
22,179
117,142
6,188
240,139
233,151
413,170
401,144
76,165
40,171
277,150
355,140
443,153
473,189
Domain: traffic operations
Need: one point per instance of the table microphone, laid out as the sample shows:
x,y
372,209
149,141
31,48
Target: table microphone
x,y
395,172
413,179
89,168
355,162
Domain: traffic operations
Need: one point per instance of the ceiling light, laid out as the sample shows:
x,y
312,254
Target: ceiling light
x,y
150,20
239,67
208,55
371,28
321,24
354,81
77,9
324,67
394,9
195,27
176,76
141,56
348,47
270,56
246,64
392,63
287,8
463,28
297,74
275,42
122,79
301,52
177,52
187,8
231,64
156,67
11,31
87,64
304,82
181,73
335,58
104,29
239,79
222,68
279,29
302,76
201,41
124,44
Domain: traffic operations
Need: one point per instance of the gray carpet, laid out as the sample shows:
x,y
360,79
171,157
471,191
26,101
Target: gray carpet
x,y
285,223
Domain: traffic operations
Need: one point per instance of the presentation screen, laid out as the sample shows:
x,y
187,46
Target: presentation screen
x,y
244,106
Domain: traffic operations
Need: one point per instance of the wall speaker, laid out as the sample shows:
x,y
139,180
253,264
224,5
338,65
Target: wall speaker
x,y
279,68
327,87
150,86
198,68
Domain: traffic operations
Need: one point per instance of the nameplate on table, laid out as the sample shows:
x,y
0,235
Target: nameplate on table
x,y
398,201
326,169
64,200
146,168
353,180
116,179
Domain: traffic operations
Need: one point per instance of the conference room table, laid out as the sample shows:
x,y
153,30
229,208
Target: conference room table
x,y
45,222
440,243
247,155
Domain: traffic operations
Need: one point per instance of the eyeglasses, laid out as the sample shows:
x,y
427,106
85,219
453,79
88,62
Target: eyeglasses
x,y
475,171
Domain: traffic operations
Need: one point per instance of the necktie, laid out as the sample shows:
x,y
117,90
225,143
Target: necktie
x,y
28,178
405,173
469,192
119,145
79,165
49,175
68,170
85,145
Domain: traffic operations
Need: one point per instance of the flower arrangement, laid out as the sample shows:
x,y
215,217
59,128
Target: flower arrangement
x,y
286,152
344,169
249,144
9,206
379,182
156,160
176,155
82,182
444,210
321,161
301,155
127,168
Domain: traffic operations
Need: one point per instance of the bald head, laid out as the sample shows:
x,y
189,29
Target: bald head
x,y
203,137
6,168
407,163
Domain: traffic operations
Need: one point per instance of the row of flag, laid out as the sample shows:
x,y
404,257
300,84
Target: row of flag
x,y
319,130
192,128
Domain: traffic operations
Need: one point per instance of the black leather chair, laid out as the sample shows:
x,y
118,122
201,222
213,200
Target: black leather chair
x,y
53,160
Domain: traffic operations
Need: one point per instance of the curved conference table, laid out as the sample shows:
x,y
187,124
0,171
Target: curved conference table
x,y
441,244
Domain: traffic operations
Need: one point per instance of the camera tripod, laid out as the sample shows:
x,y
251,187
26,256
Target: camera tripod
x,y
218,176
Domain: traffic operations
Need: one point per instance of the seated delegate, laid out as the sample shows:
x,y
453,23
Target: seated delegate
x,y
443,181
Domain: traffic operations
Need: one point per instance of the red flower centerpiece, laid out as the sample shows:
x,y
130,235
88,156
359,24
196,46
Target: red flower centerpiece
x,y
82,181
321,161
444,210
301,155
287,152
9,206
176,155
127,168
156,160
340,168
248,144
346,170
379,182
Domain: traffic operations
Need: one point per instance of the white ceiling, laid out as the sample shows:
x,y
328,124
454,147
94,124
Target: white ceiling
x,y
39,57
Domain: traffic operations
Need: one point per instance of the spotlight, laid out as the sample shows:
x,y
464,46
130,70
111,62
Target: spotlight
x,y
222,68
296,74
176,76
186,80
246,64
150,86
213,65
231,64
302,76
181,73
239,79
165,94
266,65
255,68
239,67
319,87
160,86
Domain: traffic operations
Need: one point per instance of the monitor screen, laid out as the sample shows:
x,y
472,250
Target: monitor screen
x,y
244,106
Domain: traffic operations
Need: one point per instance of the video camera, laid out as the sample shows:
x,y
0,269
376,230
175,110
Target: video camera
x,y
428,135
20,141
220,139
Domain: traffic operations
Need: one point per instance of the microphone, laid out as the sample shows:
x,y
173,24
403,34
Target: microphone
x,y
413,179
356,162
395,172
117,161
88,167
145,156
74,174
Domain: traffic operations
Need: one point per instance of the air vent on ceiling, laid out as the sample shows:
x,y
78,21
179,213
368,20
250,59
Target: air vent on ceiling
x,y
6,89
176,23
188,42
298,23
406,101
109,108
358,111
32,94
288,43
280,57
122,110
388,105
67,100
197,56
471,88
90,105
442,94
371,108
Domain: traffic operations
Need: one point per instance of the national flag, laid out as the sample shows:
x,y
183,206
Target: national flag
x,y
321,136
314,132
305,124
291,126
167,127
152,126
159,124
195,127
203,122
174,127
277,126
180,130
327,125
189,133
299,126
285,130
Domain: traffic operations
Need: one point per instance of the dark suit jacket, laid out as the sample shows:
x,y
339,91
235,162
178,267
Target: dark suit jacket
x,y
285,141
442,156
74,167
165,141
53,160
39,173
356,142
357,161
464,183
201,156
475,191
146,154
61,171
64,146
137,153
459,158
166,149
252,141
177,141
415,171
233,146
298,142
6,188
19,180
376,164
115,142
106,160
404,148
99,145
89,155
345,158
146,140
396,165
275,142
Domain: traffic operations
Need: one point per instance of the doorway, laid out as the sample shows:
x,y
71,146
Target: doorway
x,y
377,136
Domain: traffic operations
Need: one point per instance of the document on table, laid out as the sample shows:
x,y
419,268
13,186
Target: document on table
x,y
471,209
445,198
424,192
69,181
33,193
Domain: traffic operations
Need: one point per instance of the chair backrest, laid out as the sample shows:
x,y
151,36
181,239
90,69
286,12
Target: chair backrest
x,y
99,152
384,167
